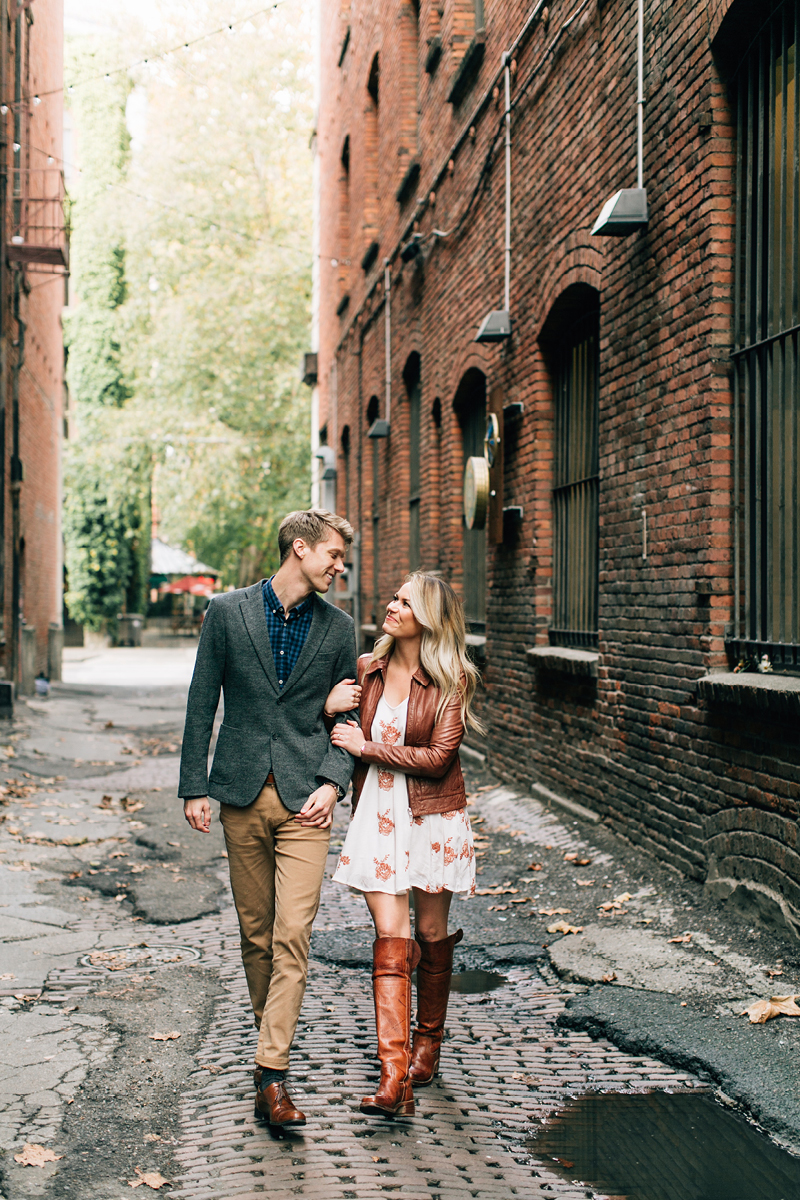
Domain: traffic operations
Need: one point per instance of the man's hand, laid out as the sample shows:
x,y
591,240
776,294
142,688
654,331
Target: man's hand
x,y
318,808
198,813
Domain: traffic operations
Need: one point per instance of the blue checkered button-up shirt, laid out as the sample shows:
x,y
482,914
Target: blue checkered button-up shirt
x,y
287,634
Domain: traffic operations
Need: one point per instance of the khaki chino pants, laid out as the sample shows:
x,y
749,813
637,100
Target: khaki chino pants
x,y
276,867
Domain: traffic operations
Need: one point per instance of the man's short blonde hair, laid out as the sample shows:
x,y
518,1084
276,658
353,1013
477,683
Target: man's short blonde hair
x,y
313,525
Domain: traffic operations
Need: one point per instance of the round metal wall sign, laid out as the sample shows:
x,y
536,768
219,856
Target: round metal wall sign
x,y
476,492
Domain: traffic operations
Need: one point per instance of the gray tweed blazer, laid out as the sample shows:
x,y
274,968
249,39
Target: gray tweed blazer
x,y
265,728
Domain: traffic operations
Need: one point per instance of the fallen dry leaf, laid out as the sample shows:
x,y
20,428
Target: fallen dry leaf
x,y
36,1156
213,1070
19,866
535,867
8,975
777,1006
497,908
106,802
152,1137
687,937
563,927
610,978
521,900
770,974
553,912
108,725
581,862
153,1179
584,882
497,891
570,857
623,898
164,1037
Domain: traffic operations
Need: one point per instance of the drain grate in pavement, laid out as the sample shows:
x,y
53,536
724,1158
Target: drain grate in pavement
x,y
141,956
659,1145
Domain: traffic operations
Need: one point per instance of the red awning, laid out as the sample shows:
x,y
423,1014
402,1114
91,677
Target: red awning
x,y
195,585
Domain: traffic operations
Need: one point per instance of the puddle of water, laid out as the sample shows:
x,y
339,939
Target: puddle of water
x,y
661,1146
469,983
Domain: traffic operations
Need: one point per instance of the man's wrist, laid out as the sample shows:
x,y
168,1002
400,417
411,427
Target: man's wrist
x,y
337,787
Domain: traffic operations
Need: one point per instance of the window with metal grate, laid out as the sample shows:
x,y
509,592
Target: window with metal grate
x,y
767,333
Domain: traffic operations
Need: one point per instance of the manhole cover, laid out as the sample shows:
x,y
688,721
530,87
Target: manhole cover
x,y
141,956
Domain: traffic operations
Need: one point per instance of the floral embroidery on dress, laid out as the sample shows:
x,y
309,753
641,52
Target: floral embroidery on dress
x,y
344,860
385,823
449,816
408,860
435,847
389,735
418,820
382,869
450,854
467,851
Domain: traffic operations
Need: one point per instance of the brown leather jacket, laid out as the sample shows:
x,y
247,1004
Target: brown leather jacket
x,y
429,759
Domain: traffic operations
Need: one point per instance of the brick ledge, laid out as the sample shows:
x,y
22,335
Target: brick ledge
x,y
564,659
749,690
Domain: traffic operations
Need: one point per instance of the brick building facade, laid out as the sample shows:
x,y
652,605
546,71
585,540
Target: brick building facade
x,y
643,535
32,283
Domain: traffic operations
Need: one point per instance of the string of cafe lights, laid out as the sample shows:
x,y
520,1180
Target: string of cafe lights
x,y
161,56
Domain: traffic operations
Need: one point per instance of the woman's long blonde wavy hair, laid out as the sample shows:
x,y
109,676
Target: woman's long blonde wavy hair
x,y
443,649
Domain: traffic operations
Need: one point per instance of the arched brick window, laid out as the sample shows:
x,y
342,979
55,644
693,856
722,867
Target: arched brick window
x,y
371,212
470,407
570,339
413,383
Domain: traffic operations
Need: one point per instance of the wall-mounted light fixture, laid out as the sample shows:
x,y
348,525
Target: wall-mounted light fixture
x,y
412,248
627,211
496,327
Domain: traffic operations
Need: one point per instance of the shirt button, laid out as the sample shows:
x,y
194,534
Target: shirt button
x,y
280,681
281,652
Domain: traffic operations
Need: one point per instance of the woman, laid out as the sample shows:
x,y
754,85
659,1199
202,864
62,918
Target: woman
x,y
409,827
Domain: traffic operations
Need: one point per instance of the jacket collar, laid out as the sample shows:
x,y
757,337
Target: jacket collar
x,y
381,664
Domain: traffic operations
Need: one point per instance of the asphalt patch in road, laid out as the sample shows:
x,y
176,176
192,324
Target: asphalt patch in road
x,y
755,1063
136,1095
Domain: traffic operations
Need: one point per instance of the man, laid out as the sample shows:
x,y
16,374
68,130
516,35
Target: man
x,y
276,649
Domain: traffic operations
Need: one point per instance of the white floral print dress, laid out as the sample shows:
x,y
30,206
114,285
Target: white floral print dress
x,y
387,848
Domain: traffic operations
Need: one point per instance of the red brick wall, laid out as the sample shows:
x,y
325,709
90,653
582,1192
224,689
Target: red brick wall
x,y
41,378
639,746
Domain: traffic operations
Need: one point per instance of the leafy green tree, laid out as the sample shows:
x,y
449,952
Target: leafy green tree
x,y
192,248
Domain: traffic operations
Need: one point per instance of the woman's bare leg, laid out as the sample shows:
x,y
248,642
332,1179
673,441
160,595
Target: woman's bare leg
x,y
431,912
390,914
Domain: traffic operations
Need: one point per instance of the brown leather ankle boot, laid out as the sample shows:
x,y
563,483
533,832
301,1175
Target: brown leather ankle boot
x,y
433,991
393,960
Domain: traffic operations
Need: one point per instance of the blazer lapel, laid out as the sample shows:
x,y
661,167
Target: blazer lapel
x,y
320,623
252,608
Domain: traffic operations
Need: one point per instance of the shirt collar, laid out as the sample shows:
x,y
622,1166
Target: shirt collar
x,y
275,604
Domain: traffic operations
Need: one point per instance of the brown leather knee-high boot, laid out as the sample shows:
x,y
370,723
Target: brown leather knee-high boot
x,y
433,991
393,960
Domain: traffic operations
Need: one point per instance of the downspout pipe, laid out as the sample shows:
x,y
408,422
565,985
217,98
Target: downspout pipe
x,y
507,87
387,286
640,100
16,484
380,428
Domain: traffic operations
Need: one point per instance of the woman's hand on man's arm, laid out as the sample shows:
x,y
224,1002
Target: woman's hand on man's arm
x,y
348,736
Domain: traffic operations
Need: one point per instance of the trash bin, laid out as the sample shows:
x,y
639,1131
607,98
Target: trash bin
x,y
129,630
